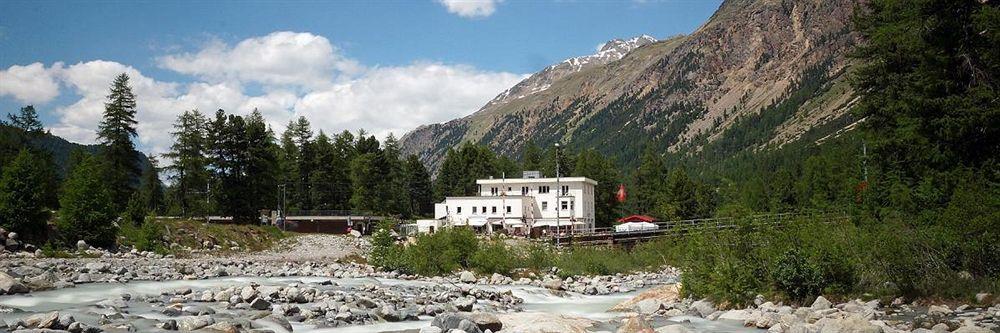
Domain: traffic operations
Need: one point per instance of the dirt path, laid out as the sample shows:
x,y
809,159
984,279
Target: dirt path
x,y
314,247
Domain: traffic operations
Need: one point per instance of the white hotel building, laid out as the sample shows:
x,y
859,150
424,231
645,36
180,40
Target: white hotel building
x,y
520,205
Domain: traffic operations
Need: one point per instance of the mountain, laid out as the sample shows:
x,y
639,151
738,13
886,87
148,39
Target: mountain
x,y
12,139
757,74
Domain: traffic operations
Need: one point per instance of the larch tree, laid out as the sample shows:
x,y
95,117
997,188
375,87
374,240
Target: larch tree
x,y
115,134
21,197
27,120
189,170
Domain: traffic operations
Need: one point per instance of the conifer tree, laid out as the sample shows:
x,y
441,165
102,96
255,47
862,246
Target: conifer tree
x,y
21,197
592,165
86,208
152,188
27,120
189,171
418,181
649,183
115,134
261,164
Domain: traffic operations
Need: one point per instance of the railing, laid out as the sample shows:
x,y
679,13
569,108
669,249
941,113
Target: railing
x,y
693,226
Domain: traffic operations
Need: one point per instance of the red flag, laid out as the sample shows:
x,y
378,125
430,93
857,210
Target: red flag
x,y
621,193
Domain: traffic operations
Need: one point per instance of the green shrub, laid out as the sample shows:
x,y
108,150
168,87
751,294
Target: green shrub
x,y
86,210
796,276
385,253
494,256
146,237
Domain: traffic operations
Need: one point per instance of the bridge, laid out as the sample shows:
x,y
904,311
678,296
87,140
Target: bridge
x,y
317,221
678,228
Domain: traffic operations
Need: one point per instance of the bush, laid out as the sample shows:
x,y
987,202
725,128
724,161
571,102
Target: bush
x,y
385,253
146,237
494,257
796,276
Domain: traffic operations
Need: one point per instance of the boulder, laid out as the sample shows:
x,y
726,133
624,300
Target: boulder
x,y
648,306
939,310
486,321
430,329
553,284
972,329
849,324
224,327
10,285
260,304
635,324
821,303
82,246
735,315
676,328
194,322
356,234
464,303
703,307
455,321
43,320
666,294
467,277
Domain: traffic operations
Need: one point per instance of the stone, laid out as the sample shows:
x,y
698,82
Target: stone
x,y
248,293
940,328
194,322
972,329
635,324
43,320
939,310
356,234
703,307
279,321
648,306
82,246
224,327
821,303
260,304
430,329
553,284
452,320
982,298
735,315
464,303
467,277
10,285
666,294
676,328
486,321
849,324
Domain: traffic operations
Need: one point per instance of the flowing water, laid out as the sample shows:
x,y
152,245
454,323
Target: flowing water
x,y
80,301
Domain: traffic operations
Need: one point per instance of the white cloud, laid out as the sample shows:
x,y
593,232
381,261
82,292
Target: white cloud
x,y
280,58
398,99
31,84
331,90
470,8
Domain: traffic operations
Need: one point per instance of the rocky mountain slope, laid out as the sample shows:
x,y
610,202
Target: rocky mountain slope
x,y
759,73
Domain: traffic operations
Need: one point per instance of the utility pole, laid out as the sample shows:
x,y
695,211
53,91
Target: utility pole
x,y
558,196
281,207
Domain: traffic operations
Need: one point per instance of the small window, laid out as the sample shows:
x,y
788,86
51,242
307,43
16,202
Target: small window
x,y
508,209
494,210
524,190
473,209
484,209
459,210
545,205
565,190
543,189
565,205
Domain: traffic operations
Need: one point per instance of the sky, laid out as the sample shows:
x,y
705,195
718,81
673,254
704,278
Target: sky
x,y
385,66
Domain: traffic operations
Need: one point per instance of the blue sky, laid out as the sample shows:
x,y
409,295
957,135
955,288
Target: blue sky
x,y
348,64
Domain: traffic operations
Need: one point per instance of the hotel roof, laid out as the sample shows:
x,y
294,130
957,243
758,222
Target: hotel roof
x,y
496,181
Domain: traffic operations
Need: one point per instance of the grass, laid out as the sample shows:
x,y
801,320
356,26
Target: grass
x,y
158,234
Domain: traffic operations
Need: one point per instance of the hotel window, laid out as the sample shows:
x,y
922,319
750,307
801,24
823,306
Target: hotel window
x,y
545,205
473,209
524,190
459,209
543,189
493,191
572,205
565,205
508,209
484,209
494,209
565,189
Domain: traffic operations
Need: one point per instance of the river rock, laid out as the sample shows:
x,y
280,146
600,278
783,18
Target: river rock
x,y
464,303
224,327
467,277
486,321
735,315
279,321
453,321
553,284
821,303
664,294
703,307
82,246
635,324
939,310
43,320
248,293
972,329
194,322
849,324
982,298
10,285
430,329
260,304
673,329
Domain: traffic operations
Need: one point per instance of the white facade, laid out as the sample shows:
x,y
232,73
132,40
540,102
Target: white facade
x,y
521,203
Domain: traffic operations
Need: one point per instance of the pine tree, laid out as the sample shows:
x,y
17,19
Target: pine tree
x,y
262,167
418,181
323,177
344,153
21,197
649,183
152,188
189,171
27,120
115,134
531,159
86,208
393,192
592,165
